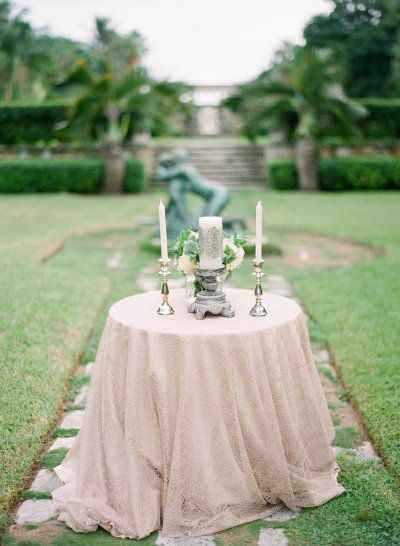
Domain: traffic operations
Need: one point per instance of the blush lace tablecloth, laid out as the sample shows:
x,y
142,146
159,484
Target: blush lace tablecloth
x,y
196,426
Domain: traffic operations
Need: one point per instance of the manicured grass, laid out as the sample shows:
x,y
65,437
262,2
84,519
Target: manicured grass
x,y
49,308
356,307
46,316
53,458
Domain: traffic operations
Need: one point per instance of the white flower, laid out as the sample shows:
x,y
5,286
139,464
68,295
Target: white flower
x,y
238,252
185,264
237,261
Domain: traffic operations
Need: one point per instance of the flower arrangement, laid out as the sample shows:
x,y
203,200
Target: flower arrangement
x,y
185,252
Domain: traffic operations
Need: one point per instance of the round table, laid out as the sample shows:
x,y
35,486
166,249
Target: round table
x,y
197,426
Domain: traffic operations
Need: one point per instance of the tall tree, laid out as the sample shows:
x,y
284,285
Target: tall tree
x,y
365,36
301,93
22,56
111,89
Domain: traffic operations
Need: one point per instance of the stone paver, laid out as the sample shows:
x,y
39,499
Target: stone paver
x,y
186,541
46,481
89,368
284,514
63,442
322,356
280,292
73,419
176,283
36,511
148,283
277,278
272,537
304,255
366,451
81,397
114,261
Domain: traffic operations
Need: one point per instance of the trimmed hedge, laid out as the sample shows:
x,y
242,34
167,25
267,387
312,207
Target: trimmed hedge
x,y
68,175
283,174
135,176
30,123
383,118
342,173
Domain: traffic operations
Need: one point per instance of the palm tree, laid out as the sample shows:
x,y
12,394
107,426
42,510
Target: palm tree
x,y
301,94
23,57
112,92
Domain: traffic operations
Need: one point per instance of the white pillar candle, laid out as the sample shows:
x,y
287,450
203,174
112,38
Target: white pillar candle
x,y
258,256
163,232
210,242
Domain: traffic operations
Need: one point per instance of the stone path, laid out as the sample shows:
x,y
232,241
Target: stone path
x,y
36,509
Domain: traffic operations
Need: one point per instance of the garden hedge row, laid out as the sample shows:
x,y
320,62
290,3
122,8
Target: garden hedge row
x,y
382,120
342,173
30,123
68,175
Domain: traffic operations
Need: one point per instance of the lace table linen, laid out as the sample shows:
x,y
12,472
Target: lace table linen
x,y
197,426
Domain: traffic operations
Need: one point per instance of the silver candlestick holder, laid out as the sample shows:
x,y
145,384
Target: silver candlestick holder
x,y
165,307
210,299
258,310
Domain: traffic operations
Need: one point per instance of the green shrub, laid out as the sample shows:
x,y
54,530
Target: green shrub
x,y
359,173
68,175
343,173
135,176
51,175
282,174
30,123
383,118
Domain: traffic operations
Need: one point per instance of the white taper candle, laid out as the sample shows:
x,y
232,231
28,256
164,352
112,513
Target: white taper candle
x,y
163,232
258,256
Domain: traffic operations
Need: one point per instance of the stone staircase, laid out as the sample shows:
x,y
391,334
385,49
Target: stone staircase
x,y
235,165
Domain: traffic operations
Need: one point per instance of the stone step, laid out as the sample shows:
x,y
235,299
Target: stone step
x,y
226,157
222,151
240,171
217,162
233,165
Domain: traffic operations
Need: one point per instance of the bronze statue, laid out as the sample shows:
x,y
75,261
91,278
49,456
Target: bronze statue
x,y
182,178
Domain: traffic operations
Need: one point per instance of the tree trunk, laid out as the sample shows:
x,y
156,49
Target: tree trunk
x,y
306,152
114,169
8,90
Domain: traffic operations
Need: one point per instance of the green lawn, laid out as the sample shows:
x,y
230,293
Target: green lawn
x,y
49,308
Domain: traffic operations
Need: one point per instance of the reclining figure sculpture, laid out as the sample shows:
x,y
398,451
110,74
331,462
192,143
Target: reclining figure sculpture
x,y
182,179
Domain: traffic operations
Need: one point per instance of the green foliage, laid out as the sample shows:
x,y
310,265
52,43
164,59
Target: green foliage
x,y
282,175
383,118
342,173
53,458
363,34
299,95
68,175
35,495
22,55
186,243
114,96
135,176
50,175
31,122
359,173
346,437
64,432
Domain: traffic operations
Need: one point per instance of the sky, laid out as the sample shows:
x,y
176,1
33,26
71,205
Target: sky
x,y
196,41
